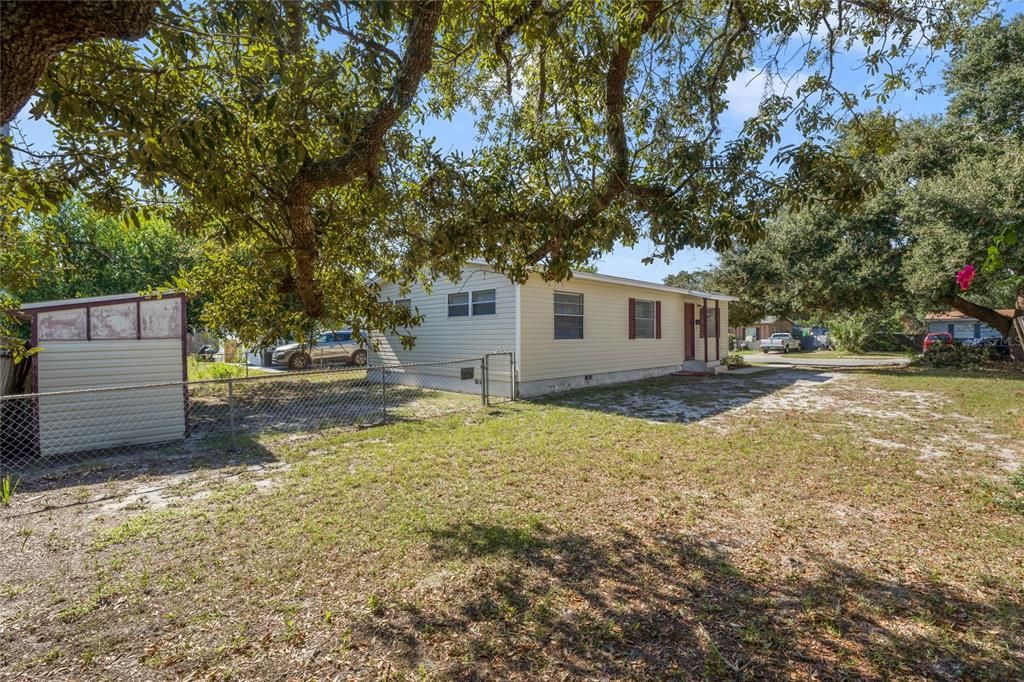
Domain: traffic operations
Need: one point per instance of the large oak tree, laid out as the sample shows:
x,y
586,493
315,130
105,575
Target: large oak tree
x,y
290,136
944,193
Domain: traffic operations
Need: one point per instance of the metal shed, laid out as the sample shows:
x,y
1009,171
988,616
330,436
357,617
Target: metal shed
x,y
104,342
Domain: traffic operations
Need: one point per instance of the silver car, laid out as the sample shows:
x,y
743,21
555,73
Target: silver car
x,y
329,347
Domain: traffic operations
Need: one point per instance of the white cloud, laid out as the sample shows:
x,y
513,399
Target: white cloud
x,y
745,92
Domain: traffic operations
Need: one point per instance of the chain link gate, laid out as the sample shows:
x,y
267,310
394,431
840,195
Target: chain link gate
x,y
499,378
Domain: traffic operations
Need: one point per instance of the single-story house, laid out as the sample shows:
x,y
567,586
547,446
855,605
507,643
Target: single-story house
x,y
589,330
961,326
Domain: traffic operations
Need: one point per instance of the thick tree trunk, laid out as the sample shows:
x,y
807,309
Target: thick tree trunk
x,y
1016,336
361,159
989,316
33,33
304,246
1006,326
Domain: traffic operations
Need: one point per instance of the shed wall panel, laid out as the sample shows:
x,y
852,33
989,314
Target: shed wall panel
x,y
116,321
87,421
161,318
62,325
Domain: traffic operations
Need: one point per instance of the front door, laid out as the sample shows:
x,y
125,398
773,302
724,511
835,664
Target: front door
x,y
688,318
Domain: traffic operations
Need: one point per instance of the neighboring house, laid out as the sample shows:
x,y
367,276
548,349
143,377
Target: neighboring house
x,y
590,330
763,329
961,326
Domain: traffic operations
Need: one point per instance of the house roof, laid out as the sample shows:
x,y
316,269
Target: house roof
x,y
957,316
713,295
611,279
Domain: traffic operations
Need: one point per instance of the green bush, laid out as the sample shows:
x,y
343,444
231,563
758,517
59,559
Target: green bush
x,y
735,360
851,333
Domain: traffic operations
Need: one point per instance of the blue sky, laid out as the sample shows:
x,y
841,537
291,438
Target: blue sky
x,y
744,94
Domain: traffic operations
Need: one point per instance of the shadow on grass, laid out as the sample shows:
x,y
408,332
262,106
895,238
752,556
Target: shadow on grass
x,y
1003,370
208,454
684,400
540,603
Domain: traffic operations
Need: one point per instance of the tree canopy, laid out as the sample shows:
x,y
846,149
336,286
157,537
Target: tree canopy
x,y
945,192
76,251
288,137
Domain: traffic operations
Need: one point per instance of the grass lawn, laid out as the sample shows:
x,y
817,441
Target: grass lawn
x,y
830,354
847,354
786,525
202,371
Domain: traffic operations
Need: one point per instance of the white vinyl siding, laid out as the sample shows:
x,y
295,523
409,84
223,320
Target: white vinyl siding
x,y
441,337
79,422
605,346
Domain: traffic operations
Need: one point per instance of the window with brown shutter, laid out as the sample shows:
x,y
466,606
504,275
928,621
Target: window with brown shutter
x,y
644,319
657,319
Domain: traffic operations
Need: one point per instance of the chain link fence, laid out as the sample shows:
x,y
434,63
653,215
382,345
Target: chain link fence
x,y
44,429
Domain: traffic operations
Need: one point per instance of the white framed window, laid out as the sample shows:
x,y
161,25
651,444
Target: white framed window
x,y
568,315
458,304
404,303
645,319
484,302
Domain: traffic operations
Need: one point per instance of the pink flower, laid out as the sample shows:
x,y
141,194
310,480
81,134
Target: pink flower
x,y
964,277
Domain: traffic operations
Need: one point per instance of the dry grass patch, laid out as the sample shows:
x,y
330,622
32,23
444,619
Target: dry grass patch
x,y
596,535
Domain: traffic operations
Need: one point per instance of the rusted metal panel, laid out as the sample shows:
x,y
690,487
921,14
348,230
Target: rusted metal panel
x,y
62,325
113,322
161,318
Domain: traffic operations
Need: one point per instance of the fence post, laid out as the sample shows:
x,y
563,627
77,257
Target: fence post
x,y
483,380
383,393
231,413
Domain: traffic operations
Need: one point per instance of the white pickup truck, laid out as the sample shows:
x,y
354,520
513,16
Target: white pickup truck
x,y
782,341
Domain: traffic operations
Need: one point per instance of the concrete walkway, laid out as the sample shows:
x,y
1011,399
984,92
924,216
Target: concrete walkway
x,y
809,360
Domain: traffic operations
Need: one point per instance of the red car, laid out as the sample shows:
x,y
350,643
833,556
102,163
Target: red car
x,y
936,340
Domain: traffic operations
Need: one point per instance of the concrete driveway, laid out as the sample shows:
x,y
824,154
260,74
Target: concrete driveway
x,y
809,360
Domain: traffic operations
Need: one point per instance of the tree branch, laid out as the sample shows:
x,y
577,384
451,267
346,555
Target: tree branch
x,y
616,180
362,157
506,33
992,318
33,34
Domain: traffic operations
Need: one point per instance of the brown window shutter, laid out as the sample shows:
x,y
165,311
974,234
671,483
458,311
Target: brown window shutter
x,y
632,318
657,319
718,332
